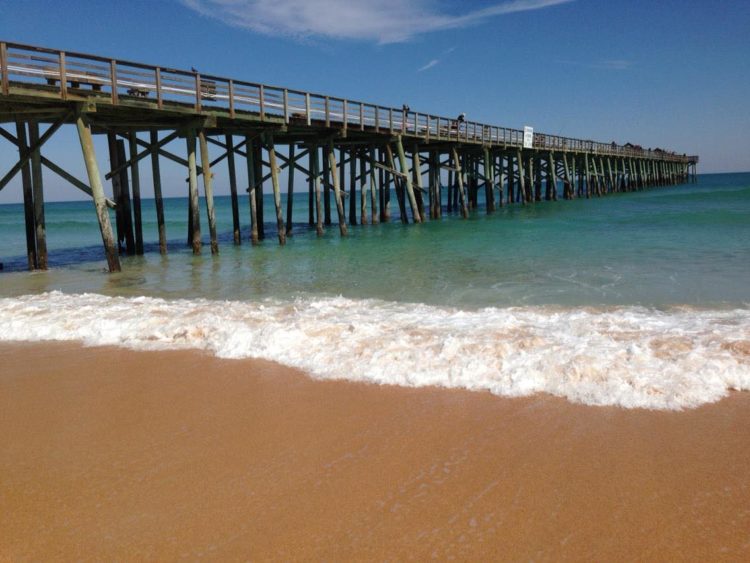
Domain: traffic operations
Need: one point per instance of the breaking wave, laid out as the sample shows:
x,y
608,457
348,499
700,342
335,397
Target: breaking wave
x,y
627,356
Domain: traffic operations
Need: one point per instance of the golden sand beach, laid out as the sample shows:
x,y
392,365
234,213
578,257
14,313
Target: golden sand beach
x,y
109,454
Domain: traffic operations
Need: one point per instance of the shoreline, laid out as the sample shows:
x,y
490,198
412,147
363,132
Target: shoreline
x,y
111,453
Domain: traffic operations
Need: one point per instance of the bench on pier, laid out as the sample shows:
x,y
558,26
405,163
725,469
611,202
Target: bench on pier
x,y
77,80
138,92
453,131
208,90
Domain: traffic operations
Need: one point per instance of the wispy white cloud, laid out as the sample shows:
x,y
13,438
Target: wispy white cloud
x,y
431,64
382,21
610,64
434,62
615,64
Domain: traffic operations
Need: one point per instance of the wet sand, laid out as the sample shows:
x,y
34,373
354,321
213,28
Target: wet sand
x,y
112,454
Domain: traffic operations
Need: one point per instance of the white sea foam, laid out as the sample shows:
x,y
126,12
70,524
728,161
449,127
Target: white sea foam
x,y
627,356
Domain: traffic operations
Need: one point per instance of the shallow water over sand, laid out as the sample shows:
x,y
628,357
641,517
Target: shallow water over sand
x,y
636,299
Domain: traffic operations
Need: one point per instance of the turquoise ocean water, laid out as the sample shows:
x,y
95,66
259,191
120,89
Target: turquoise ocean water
x,y
516,302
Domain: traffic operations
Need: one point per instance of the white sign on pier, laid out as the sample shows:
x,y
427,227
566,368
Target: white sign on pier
x,y
528,137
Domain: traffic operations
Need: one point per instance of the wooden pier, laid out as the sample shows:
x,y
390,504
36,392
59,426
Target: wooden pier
x,y
356,157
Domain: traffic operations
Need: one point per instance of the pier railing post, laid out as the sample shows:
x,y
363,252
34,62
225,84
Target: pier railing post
x,y
4,82
100,202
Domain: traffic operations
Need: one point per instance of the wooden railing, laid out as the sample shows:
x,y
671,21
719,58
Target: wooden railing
x,y
117,80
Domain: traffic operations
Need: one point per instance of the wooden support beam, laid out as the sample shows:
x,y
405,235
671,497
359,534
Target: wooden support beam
x,y
38,193
193,200
416,168
121,190
461,193
116,189
522,193
310,191
511,193
95,182
374,199
342,177
276,189
352,186
551,191
326,193
568,188
385,189
416,217
337,189
259,192
158,199
501,172
489,188
251,169
28,195
587,174
434,184
233,189
208,188
363,185
290,193
135,178
399,187
315,169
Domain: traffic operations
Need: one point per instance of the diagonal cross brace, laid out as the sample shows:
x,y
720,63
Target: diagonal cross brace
x,y
26,155
59,170
140,155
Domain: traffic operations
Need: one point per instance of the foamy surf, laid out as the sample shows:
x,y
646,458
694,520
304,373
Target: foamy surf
x,y
628,356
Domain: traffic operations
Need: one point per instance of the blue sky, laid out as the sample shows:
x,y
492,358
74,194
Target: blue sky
x,y
674,74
